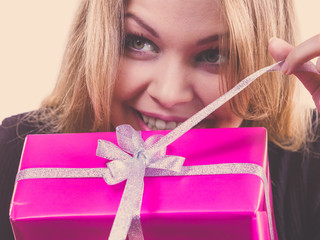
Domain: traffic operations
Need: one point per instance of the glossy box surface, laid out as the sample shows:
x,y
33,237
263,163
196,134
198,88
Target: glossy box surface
x,y
230,206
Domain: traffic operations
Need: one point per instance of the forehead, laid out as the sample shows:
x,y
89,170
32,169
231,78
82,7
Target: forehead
x,y
191,15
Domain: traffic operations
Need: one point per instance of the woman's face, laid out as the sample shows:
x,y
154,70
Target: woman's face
x,y
170,69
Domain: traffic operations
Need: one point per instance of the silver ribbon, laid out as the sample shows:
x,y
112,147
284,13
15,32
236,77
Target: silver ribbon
x,y
134,169
120,229
138,159
129,208
124,167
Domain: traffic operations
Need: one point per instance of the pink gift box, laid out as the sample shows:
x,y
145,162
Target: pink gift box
x,y
228,206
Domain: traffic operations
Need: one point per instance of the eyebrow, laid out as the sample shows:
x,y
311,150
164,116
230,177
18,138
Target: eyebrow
x,y
210,39
142,24
138,20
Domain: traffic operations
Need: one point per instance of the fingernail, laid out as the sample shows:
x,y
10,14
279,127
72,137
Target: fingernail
x,y
271,39
285,68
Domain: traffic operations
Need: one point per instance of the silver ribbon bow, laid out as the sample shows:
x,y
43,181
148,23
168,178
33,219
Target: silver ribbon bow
x,y
132,168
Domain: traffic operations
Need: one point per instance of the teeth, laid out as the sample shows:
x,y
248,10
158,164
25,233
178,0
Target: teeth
x,y
150,121
158,124
171,125
145,118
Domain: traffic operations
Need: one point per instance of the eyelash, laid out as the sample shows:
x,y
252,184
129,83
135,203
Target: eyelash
x,y
200,59
130,38
205,55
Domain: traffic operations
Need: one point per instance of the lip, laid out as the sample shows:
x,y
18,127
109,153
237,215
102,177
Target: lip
x,y
140,122
203,124
143,126
163,117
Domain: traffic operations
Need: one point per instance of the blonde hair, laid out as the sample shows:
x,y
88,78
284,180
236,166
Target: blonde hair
x,y
270,98
82,97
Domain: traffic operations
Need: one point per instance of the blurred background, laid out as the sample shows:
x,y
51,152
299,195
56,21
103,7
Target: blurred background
x,y
33,36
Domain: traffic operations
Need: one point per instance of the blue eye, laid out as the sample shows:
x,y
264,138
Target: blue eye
x,y
139,43
211,56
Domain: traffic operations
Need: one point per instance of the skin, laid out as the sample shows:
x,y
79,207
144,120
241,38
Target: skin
x,y
175,74
295,57
166,74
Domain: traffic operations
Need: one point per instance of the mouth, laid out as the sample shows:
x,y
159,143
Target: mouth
x,y
154,123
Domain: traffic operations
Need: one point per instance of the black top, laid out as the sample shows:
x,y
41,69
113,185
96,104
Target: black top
x,y
295,183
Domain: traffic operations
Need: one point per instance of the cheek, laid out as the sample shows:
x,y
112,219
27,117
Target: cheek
x,y
209,91
224,113
207,87
132,79
224,117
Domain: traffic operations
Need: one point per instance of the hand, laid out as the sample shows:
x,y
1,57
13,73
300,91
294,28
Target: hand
x,y
297,56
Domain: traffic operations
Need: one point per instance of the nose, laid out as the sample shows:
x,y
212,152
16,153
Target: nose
x,y
170,85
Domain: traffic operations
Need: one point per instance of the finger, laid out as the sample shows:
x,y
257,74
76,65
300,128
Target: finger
x,y
318,65
279,49
311,81
303,53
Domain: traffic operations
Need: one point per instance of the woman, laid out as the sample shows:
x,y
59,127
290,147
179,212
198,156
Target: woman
x,y
153,64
